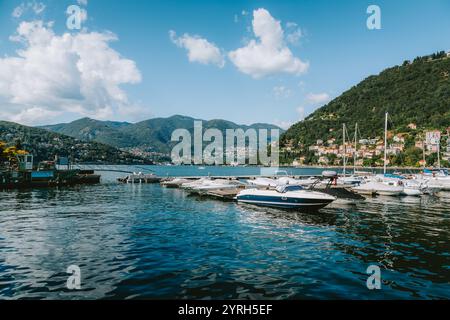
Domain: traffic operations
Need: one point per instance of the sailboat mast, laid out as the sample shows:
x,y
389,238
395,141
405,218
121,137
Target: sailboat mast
x,y
423,153
355,155
439,153
385,142
345,149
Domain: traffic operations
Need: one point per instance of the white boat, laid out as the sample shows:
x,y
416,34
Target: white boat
x,y
437,183
366,188
383,184
263,182
410,187
389,188
175,183
195,183
350,180
413,188
219,184
380,188
288,197
301,182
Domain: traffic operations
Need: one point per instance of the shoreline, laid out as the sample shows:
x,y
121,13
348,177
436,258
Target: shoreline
x,y
256,166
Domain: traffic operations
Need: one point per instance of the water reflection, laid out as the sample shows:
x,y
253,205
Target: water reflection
x,y
144,241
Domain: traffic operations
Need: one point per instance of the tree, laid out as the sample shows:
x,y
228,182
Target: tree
x,y
2,151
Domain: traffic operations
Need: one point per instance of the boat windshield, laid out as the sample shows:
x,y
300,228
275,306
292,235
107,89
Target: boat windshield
x,y
289,188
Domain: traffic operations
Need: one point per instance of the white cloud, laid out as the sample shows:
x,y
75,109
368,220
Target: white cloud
x,y
199,49
38,7
281,92
287,124
33,6
268,54
301,112
71,73
18,11
294,33
317,98
83,15
294,36
83,2
283,124
290,24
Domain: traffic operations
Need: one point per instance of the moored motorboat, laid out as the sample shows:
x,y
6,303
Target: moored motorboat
x,y
350,180
288,197
195,183
263,182
219,184
174,183
374,187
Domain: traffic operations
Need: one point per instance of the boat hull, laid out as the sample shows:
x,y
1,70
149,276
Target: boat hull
x,y
284,202
412,192
390,193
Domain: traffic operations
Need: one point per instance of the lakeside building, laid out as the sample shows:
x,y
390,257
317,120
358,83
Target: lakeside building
x,y
330,152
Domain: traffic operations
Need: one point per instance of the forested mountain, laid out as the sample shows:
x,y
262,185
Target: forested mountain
x,y
150,135
44,145
416,92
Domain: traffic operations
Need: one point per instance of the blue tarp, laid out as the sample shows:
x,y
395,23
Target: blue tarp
x,y
42,174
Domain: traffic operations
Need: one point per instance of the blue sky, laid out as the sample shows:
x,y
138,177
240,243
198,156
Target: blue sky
x,y
335,44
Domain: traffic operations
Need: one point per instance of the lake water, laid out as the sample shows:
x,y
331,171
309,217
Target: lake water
x,y
144,241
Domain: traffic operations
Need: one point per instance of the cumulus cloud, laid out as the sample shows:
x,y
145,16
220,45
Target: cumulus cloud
x,y
268,54
199,50
317,98
33,6
59,74
294,33
281,92
301,112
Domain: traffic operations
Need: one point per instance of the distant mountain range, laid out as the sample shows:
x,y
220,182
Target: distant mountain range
x,y
153,135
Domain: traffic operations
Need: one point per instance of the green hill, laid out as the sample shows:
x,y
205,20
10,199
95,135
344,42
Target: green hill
x,y
151,135
416,92
44,145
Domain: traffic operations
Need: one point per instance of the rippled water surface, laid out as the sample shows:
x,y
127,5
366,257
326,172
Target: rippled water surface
x,y
144,241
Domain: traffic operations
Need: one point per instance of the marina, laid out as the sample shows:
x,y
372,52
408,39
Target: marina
x,y
225,159
353,188
169,243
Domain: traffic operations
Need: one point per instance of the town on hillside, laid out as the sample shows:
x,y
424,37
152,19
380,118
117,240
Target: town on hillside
x,y
412,148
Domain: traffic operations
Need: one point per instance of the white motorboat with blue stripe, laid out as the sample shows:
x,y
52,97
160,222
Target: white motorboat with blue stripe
x,y
288,196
